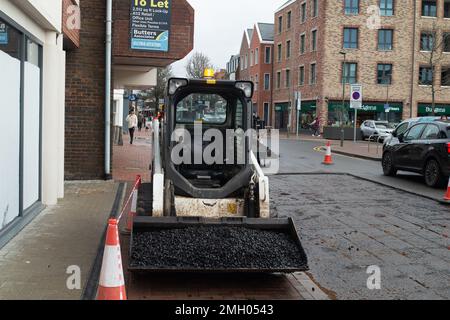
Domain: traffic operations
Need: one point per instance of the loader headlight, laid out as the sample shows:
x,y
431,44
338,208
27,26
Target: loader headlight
x,y
175,83
246,87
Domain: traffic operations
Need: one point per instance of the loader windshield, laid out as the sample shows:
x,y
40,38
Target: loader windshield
x,y
207,108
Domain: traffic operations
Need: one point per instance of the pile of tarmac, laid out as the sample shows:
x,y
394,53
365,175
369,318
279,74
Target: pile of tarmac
x,y
216,248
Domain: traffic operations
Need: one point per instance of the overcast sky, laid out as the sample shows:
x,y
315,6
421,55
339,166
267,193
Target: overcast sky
x,y
220,25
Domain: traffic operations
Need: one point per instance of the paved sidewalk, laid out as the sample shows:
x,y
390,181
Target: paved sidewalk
x,y
359,149
131,160
33,265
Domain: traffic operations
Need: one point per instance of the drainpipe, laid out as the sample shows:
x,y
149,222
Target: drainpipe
x,y
108,90
413,58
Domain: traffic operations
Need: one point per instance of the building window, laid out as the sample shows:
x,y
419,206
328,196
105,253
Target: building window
x,y
288,49
302,44
278,79
251,58
315,8
384,73
387,7
279,52
350,38
289,19
385,39
256,82
303,12
426,41
280,24
429,8
288,78
267,81
314,40
268,55
351,7
301,75
447,9
446,42
256,56
349,72
312,79
445,76
425,76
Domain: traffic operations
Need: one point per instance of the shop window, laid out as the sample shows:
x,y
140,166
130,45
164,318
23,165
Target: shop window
x,y
349,73
429,8
301,76
351,7
425,76
314,40
350,38
446,42
445,76
384,73
426,41
387,7
313,74
385,39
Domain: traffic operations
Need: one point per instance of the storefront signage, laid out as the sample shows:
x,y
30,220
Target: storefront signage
x,y
3,33
368,107
150,25
426,109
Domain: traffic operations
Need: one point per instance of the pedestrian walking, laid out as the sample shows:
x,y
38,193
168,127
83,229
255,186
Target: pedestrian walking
x,y
140,119
315,125
444,117
132,120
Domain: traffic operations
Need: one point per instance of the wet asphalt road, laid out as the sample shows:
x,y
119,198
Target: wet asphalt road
x,y
348,224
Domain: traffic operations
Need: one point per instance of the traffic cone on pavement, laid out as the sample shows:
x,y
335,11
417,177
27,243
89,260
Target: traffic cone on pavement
x,y
447,195
112,284
328,160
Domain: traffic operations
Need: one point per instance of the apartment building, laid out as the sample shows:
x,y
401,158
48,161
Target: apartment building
x,y
256,66
233,67
382,44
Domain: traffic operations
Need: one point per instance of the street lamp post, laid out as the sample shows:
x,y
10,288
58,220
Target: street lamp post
x,y
343,98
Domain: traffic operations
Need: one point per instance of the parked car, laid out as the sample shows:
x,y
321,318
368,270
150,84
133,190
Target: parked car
x,y
423,148
378,129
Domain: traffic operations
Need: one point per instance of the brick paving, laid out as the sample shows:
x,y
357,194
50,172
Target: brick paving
x,y
131,160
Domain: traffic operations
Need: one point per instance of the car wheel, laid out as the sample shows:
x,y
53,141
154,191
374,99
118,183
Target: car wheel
x,y
433,175
388,165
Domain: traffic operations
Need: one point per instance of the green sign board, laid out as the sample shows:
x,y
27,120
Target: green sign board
x,y
368,107
439,109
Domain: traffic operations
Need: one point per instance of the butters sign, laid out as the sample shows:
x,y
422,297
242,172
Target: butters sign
x,y
150,24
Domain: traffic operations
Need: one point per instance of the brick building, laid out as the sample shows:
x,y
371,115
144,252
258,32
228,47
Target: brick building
x,y
256,66
312,37
132,69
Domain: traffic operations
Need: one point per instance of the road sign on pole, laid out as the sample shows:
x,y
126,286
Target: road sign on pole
x,y
355,103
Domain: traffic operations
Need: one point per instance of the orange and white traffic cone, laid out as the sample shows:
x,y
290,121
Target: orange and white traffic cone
x,y
133,208
328,160
447,195
112,284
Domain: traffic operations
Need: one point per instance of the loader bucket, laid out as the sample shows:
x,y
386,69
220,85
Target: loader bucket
x,y
186,244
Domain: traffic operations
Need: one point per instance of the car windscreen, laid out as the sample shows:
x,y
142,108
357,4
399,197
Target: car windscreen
x,y
206,108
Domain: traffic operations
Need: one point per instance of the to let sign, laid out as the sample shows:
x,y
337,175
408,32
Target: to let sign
x,y
150,24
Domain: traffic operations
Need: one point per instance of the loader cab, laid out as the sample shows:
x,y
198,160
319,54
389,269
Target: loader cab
x,y
204,132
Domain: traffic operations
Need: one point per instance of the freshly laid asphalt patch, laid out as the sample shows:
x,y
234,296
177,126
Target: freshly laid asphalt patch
x,y
215,248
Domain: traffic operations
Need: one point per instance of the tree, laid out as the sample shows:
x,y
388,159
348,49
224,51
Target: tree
x,y
432,45
197,64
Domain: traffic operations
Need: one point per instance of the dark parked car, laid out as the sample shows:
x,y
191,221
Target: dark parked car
x,y
423,148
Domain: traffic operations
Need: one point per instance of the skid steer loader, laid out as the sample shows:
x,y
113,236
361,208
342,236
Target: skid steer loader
x,y
211,204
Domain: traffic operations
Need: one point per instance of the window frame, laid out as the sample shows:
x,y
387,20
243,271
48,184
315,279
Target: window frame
x,y
350,29
351,7
391,72
346,79
382,46
386,9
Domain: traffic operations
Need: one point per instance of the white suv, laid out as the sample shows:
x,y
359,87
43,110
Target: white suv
x,y
372,128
